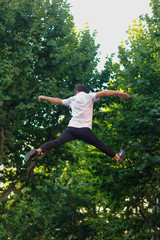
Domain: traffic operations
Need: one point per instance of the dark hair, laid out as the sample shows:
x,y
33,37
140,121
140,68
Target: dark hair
x,y
80,88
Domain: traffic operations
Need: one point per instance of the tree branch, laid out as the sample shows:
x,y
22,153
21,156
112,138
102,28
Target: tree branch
x,y
2,140
9,190
12,186
141,212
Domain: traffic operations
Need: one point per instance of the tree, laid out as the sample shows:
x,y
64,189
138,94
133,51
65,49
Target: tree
x,y
41,53
78,193
132,191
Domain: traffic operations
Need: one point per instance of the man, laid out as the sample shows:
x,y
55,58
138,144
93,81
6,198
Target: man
x,y
80,124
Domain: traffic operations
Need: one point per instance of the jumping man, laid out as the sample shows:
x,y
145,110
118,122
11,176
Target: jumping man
x,y
80,125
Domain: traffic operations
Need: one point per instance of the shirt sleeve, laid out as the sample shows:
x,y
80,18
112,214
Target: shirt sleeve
x,y
66,102
94,97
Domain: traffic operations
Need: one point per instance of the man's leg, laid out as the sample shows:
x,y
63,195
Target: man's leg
x,y
62,139
88,136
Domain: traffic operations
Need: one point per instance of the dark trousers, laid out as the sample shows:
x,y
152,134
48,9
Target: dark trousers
x,y
84,134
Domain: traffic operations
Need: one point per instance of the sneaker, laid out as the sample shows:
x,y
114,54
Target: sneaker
x,y
30,155
121,155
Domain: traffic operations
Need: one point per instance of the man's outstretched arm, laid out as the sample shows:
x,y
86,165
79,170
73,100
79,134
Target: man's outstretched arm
x,y
57,101
106,93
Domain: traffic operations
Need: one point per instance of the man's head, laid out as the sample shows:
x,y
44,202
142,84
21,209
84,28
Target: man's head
x,y
80,88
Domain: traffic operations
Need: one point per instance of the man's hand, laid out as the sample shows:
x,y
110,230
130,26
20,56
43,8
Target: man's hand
x,y
41,97
123,95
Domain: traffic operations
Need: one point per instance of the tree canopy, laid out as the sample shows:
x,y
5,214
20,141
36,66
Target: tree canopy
x,y
77,192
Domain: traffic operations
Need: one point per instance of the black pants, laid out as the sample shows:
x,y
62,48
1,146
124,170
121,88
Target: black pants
x,y
84,134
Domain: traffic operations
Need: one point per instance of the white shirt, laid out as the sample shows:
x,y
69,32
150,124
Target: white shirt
x,y
82,109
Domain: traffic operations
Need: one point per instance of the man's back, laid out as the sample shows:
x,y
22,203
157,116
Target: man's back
x,y
82,109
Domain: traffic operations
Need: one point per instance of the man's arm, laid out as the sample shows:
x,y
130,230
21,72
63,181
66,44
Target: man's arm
x,y
111,93
57,101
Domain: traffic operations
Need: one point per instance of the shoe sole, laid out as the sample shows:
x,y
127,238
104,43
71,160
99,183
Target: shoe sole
x,y
29,154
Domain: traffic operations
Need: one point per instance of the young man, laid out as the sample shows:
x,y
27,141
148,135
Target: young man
x,y
80,124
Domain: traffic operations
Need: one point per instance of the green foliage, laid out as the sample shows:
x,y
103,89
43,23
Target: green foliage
x,y
51,210
133,190
40,54
76,191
